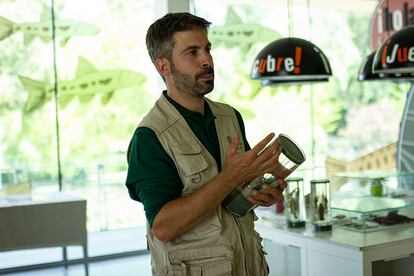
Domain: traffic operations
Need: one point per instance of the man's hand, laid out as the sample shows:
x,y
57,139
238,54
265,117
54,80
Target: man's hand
x,y
268,195
240,168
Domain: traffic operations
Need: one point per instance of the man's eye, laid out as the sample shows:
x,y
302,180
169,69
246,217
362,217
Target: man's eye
x,y
193,52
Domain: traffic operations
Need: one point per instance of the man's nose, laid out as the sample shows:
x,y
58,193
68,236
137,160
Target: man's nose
x,y
207,61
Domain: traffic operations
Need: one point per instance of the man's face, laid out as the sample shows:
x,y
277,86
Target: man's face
x,y
192,69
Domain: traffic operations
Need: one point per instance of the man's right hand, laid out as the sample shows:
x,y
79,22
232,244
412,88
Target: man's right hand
x,y
240,168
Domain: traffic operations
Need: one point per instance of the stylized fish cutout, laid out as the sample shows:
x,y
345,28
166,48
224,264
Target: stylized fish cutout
x,y
89,82
243,33
237,33
65,29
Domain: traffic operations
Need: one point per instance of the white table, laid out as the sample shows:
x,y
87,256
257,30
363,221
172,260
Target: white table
x,y
44,220
340,252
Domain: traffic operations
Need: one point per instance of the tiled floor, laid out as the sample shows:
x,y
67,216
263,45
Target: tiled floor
x,y
130,266
99,244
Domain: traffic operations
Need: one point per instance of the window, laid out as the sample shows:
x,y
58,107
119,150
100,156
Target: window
x,y
343,124
103,89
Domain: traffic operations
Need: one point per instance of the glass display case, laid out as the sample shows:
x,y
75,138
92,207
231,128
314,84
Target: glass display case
x,y
372,213
373,183
294,200
369,202
320,205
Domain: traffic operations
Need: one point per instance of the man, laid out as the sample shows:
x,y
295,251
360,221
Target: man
x,y
187,155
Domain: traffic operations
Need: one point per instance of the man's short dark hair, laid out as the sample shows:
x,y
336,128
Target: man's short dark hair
x,y
160,34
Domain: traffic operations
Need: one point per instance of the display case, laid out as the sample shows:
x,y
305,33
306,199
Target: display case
x,y
294,200
372,201
320,205
372,213
373,183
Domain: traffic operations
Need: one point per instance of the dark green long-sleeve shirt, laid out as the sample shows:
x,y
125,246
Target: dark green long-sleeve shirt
x,y
152,175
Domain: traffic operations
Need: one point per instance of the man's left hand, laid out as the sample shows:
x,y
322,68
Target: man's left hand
x,y
268,195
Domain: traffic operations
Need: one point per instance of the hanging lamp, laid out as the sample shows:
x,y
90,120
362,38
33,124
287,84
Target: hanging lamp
x,y
290,60
396,55
365,72
267,82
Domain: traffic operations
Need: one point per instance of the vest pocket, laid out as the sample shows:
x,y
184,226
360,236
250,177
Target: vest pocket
x,y
191,164
209,261
189,158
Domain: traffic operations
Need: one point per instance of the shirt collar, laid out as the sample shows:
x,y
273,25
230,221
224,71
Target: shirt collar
x,y
186,113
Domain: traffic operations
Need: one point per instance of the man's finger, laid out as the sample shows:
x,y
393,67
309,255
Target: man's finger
x,y
278,151
262,144
233,143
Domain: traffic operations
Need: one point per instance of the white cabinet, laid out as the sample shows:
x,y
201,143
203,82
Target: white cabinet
x,y
328,265
338,252
283,260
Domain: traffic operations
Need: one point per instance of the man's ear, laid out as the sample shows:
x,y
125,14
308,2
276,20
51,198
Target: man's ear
x,y
163,66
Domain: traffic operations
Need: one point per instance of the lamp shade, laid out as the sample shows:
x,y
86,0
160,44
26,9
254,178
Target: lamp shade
x,y
365,72
396,55
267,82
289,60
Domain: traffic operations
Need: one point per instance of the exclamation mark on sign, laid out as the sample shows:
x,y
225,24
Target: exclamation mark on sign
x,y
384,56
262,66
298,58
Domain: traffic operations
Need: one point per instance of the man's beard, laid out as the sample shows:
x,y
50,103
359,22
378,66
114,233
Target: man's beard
x,y
189,84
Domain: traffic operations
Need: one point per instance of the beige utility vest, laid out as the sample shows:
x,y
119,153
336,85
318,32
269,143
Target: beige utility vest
x,y
223,244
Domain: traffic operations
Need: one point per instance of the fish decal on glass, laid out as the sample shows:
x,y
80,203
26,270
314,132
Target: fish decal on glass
x,y
243,33
65,29
89,82
235,32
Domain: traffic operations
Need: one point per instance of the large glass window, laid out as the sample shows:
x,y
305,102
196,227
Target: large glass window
x,y
71,100
104,91
342,119
27,139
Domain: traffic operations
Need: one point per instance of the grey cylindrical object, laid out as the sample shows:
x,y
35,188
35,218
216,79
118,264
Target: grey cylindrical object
x,y
291,157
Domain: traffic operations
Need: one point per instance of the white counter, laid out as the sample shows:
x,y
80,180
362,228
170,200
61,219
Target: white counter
x,y
340,251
